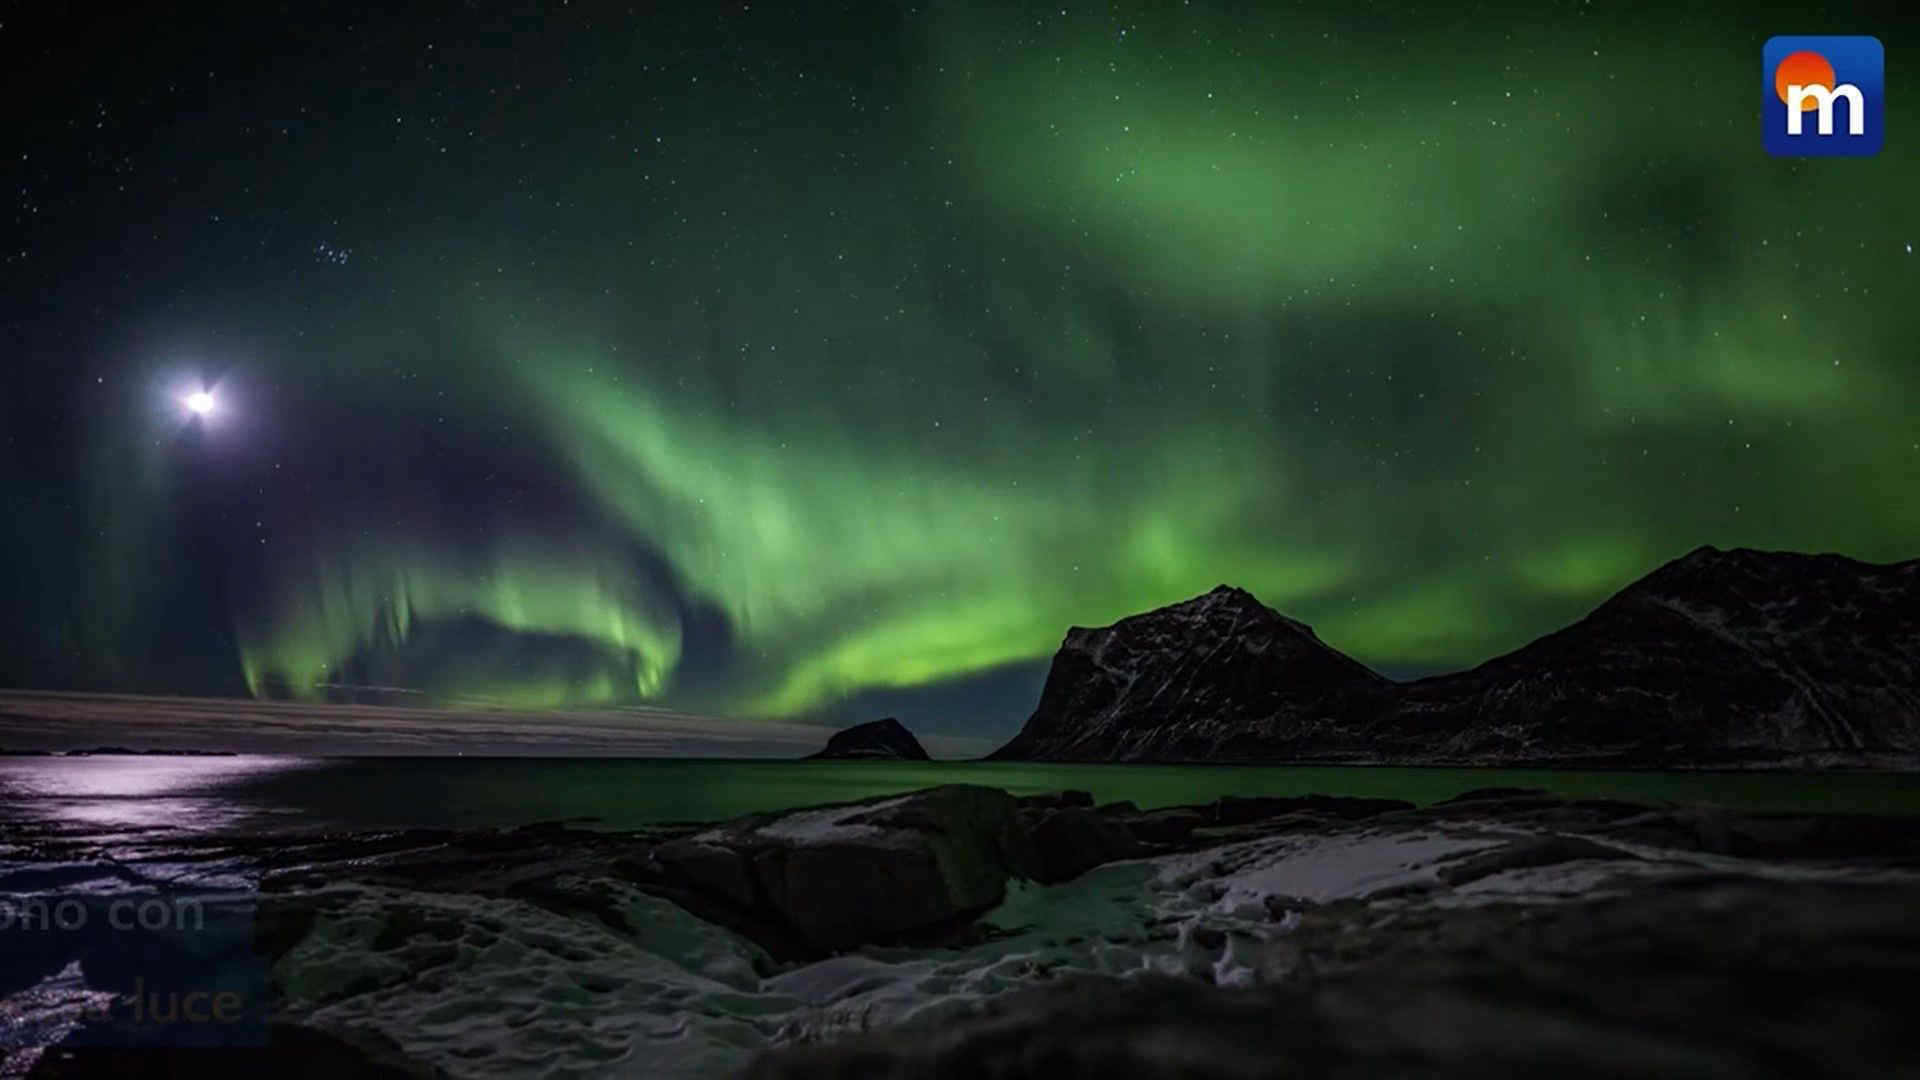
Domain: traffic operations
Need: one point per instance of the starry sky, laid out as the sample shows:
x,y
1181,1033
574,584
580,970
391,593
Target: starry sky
x,y
818,365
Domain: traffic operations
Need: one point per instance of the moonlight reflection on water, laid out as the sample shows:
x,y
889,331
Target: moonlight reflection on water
x,y
139,791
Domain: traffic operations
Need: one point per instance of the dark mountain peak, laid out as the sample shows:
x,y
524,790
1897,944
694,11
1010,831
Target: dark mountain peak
x,y
1225,609
1708,564
1785,590
1718,656
886,739
1721,656
1233,600
1172,681
1227,595
1220,602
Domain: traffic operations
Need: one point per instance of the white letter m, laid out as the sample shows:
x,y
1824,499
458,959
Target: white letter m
x,y
1823,99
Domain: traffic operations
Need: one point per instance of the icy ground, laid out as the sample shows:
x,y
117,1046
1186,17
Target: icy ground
x,y
634,986
500,988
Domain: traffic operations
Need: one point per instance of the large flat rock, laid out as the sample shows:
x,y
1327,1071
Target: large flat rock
x,y
879,870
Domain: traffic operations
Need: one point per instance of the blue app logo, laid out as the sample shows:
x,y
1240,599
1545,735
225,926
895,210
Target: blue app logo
x,y
1823,96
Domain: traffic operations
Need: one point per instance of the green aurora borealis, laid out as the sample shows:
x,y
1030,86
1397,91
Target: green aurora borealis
x,y
750,363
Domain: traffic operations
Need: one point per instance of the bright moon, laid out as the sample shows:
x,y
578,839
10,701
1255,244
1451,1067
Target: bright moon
x,y
200,402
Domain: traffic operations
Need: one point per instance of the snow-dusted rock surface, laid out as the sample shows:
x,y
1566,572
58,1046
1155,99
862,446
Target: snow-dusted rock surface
x,y
1720,658
1503,931
1718,976
500,988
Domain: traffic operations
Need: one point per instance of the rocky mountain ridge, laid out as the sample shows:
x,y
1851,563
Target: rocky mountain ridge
x,y
1734,658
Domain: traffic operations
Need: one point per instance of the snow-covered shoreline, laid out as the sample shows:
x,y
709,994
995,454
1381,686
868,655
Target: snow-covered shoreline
x,y
555,956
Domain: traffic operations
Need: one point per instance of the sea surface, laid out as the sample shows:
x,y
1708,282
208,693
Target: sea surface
x,y
270,793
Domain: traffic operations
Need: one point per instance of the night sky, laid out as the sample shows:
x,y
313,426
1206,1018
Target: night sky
x,y
821,365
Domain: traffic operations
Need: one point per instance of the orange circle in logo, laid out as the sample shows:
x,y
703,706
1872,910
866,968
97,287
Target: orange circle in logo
x,y
1803,68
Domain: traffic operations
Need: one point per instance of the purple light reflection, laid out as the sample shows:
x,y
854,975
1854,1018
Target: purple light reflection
x,y
135,792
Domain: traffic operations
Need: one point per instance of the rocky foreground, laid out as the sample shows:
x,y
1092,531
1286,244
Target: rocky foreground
x,y
1725,659
963,931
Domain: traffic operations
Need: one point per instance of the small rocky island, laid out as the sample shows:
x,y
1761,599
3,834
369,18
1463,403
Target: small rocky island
x,y
879,740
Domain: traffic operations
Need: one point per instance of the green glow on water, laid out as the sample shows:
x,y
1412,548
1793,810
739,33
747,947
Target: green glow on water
x,y
627,793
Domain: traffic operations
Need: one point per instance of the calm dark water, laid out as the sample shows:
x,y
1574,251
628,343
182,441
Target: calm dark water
x,y
257,792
